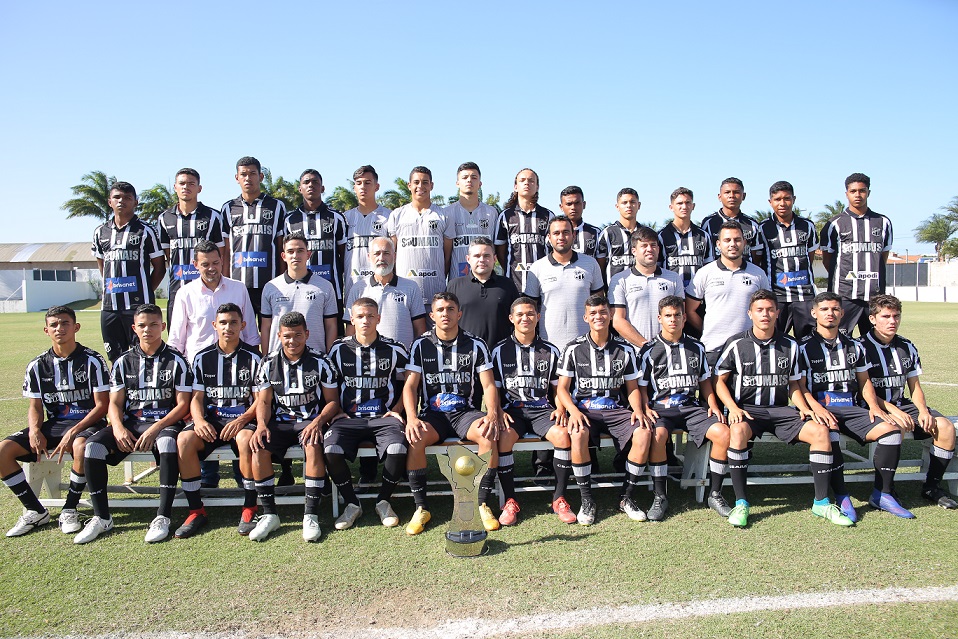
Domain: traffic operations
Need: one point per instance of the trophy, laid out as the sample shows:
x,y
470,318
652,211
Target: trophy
x,y
466,536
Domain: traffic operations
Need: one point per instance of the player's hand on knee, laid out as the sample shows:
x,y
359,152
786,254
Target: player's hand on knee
x,y
66,446
38,444
736,415
231,430
259,439
204,430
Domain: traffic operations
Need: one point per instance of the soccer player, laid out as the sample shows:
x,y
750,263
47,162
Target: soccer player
x,y
561,282
572,204
371,368
255,223
469,218
598,387
894,364
790,241
422,237
525,368
614,245
484,297
731,195
298,398
304,291
443,367
685,246
675,386
223,403
181,227
68,389
522,227
756,374
132,265
855,246
835,385
635,292
150,388
363,223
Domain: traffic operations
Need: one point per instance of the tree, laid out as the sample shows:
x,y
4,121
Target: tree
x,y
950,248
761,216
831,210
283,190
343,199
492,200
394,198
154,201
91,197
936,230
951,209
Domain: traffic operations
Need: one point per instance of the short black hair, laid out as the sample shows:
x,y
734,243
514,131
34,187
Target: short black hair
x,y
826,296
123,187
596,299
188,171
366,302
731,224
627,191
762,294
521,300
779,186
249,160
295,235
148,309
205,246
293,319
643,234
672,301
60,310
731,180
681,191
482,240
311,172
420,169
858,177
366,168
560,218
572,190
466,166
445,296
229,307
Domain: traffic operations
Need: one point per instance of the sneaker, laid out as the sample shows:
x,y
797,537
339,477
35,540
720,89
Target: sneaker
x,y
69,521
93,529
264,526
562,508
418,522
888,503
29,520
938,496
832,514
510,513
489,521
247,521
195,521
717,503
386,514
311,531
844,503
351,513
586,516
738,517
159,529
632,510
660,506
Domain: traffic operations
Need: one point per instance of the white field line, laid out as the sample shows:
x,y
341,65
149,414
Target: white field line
x,y
924,383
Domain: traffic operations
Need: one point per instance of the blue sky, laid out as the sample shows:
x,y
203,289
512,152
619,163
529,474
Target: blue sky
x,y
603,95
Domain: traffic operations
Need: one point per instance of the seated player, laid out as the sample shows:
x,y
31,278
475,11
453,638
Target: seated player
x,y
297,400
371,368
150,387
757,372
443,367
675,384
893,364
69,383
224,402
839,392
525,368
597,385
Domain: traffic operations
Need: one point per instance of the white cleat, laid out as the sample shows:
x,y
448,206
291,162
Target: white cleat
x,y
311,531
386,514
69,522
93,529
351,513
264,526
159,530
29,520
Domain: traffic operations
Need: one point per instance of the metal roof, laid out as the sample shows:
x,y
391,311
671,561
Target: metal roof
x,y
51,255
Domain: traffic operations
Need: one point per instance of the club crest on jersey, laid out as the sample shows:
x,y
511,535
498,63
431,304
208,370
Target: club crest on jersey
x,y
542,366
693,361
378,226
484,225
80,376
465,360
579,275
400,298
905,362
617,365
782,363
201,225
590,244
327,226
542,225
311,295
166,375
133,240
243,375
310,381
699,247
663,286
433,225
802,236
267,215
384,363
747,281
876,232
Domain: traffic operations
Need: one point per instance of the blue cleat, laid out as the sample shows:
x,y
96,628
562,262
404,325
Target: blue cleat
x,y
888,503
844,503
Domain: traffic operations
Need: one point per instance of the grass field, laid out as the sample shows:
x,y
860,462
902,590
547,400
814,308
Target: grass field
x,y
371,577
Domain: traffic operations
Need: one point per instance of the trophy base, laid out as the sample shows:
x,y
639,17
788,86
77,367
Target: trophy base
x,y
466,543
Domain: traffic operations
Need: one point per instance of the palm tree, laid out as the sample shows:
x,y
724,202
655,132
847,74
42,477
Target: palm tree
x,y
951,209
154,201
950,248
831,210
282,189
761,216
343,199
393,199
91,197
936,230
492,200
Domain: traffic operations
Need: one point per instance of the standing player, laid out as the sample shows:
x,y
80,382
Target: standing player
x,y
484,297
297,400
522,227
614,246
150,388
731,195
572,204
855,246
685,246
469,218
756,374
443,367
363,223
68,389
131,263
894,364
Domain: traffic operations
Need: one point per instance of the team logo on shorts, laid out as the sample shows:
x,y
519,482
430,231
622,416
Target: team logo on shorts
x,y
542,366
243,375
465,360
327,226
166,375
782,363
693,361
579,275
384,363
80,376
267,215
133,240
433,225
617,365
310,381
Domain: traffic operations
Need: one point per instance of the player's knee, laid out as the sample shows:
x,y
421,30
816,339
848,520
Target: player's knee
x,y
818,435
661,436
720,436
79,446
559,437
396,449
739,434
95,450
945,437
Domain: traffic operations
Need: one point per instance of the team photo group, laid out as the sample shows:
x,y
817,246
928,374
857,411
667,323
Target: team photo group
x,y
403,328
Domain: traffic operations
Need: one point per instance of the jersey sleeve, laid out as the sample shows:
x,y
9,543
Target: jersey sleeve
x,y
151,242
402,358
116,376
392,222
631,370
483,360
98,372
331,307
31,381
567,366
829,238
726,361
797,368
184,375
328,373
617,289
915,368
502,231
281,215
341,230
266,303
533,289
888,236
645,364
198,379
696,287
415,357
162,232
861,359
597,283
554,363
258,384
96,250
602,246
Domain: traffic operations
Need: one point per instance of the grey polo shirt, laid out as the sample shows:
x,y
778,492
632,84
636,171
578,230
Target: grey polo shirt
x,y
400,302
313,296
726,294
562,290
639,295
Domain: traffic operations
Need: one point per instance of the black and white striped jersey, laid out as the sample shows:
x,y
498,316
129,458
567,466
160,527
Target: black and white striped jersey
x,y
126,253
788,257
672,371
586,239
180,233
468,225
228,380
360,231
370,386
252,228
450,370
685,253
760,369
325,231
297,386
830,368
858,243
524,232
525,373
712,224
599,373
66,385
615,246
890,366
151,382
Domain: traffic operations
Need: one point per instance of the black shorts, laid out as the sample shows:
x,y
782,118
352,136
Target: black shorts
x,y
856,314
617,422
912,411
115,455
283,436
117,330
348,433
256,301
694,420
796,315
785,422
527,420
209,447
452,424
854,421
53,430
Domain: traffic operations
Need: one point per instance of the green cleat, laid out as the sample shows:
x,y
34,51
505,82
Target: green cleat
x,y
830,512
739,515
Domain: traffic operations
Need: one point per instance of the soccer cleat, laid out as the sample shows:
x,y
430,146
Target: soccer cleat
x,y
247,521
386,514
586,516
510,513
832,514
159,529
93,529
351,513
195,522
418,522
632,510
938,496
717,503
311,531
489,521
29,520
739,515
69,521
844,503
264,526
660,506
562,508
888,503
